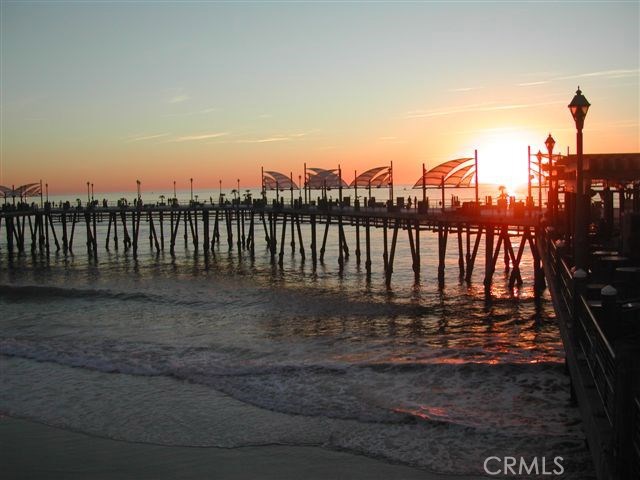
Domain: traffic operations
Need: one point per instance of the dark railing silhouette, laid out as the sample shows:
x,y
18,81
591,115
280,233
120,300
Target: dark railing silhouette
x,y
611,368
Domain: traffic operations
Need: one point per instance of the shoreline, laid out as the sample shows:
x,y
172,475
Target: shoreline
x,y
29,449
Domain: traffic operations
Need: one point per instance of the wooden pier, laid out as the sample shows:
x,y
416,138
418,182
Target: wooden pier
x,y
211,228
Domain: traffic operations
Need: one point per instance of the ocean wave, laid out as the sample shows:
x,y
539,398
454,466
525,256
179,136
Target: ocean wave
x,y
47,293
159,410
470,395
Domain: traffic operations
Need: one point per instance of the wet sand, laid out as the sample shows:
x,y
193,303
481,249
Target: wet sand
x,y
33,450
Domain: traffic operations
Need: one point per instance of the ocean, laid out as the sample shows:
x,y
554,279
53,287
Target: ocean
x,y
231,352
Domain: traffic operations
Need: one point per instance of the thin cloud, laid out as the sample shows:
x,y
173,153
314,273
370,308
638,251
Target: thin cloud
x,y
531,84
179,98
464,89
267,140
618,73
147,137
195,138
203,111
478,107
279,138
603,73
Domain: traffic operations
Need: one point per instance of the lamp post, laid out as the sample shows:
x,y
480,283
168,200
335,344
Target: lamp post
x,y
174,191
529,176
138,183
579,107
552,198
220,191
88,193
539,157
191,188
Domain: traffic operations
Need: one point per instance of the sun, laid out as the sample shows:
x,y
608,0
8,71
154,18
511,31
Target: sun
x,y
502,159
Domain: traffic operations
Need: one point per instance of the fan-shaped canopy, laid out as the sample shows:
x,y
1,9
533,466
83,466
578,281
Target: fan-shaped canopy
x,y
319,178
277,180
374,176
27,190
457,170
455,178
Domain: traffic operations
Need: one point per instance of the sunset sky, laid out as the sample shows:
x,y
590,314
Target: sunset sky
x,y
112,91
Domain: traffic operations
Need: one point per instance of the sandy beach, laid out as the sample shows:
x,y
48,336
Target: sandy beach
x,y
34,450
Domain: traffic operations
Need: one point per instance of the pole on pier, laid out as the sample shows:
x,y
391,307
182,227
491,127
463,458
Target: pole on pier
x,y
460,251
355,186
302,255
238,232
391,182
306,200
488,257
291,187
205,232
412,246
392,254
324,238
252,235
417,269
340,184
313,241
161,220
65,239
282,238
475,159
443,233
73,229
367,231
115,230
340,244
357,240
529,197
385,252
106,243
424,184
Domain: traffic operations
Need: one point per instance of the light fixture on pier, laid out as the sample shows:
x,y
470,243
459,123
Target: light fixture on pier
x,y
579,107
539,157
553,187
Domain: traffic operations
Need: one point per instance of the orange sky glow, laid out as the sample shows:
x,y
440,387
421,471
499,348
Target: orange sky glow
x,y
111,100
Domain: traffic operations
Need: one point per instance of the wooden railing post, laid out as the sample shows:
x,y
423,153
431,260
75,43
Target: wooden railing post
x,y
627,388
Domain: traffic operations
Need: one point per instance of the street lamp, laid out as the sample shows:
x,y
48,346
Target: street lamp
x,y
191,183
539,157
579,107
553,197
138,183
220,191
174,191
88,193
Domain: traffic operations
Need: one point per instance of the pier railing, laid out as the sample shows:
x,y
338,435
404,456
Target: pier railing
x,y
611,367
